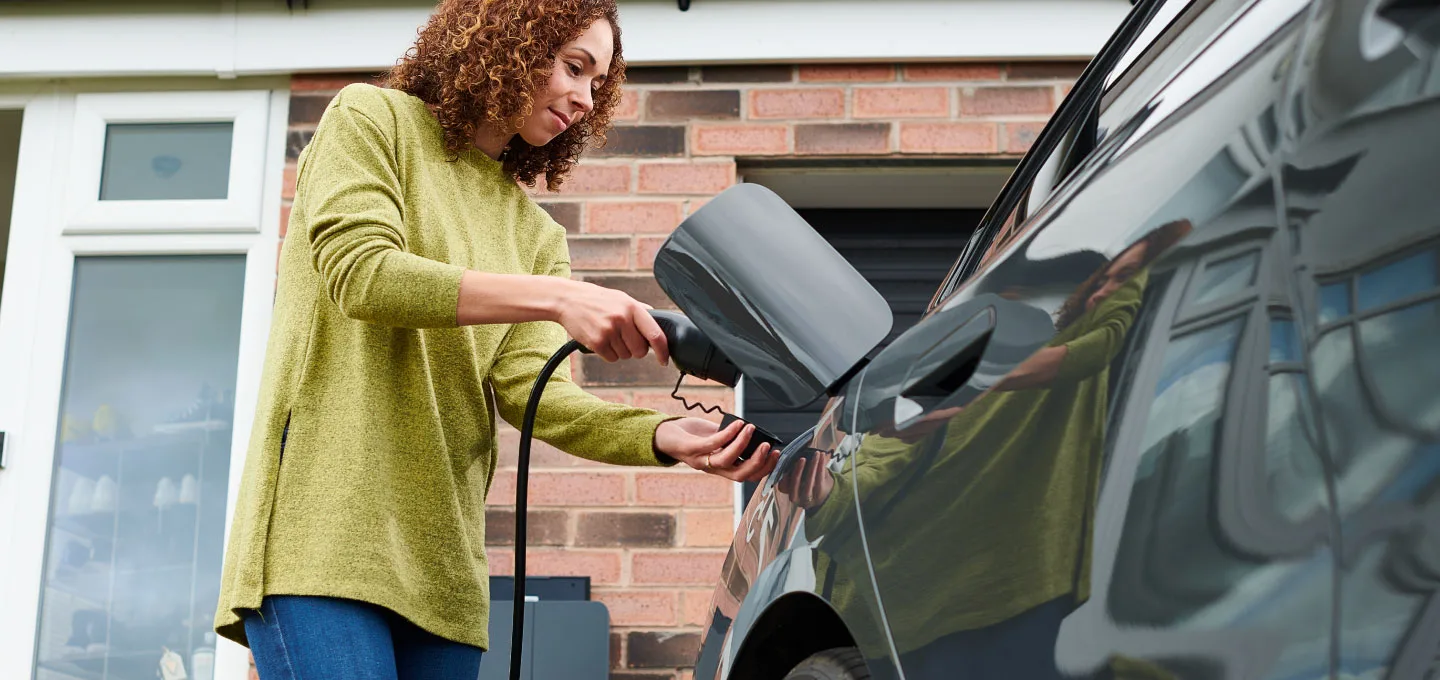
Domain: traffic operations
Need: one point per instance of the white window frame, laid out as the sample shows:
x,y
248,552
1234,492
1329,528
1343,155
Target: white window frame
x,y
34,316
238,212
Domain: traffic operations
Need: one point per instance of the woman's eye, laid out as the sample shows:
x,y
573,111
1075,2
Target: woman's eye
x,y
574,69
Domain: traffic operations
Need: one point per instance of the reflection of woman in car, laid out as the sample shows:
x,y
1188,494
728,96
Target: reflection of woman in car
x,y
978,526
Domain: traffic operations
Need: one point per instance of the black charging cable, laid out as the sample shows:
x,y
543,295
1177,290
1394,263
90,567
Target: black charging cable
x,y
522,487
690,352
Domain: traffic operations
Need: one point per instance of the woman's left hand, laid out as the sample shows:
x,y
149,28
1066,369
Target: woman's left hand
x,y
702,445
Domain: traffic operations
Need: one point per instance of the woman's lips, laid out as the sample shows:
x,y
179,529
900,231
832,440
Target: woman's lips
x,y
559,119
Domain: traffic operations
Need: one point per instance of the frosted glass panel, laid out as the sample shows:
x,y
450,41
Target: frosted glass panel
x,y
134,541
155,161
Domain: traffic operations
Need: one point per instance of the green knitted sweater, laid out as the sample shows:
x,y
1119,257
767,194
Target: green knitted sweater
x,y
377,492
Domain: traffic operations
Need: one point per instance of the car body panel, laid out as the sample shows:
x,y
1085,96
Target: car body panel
x,y
1200,434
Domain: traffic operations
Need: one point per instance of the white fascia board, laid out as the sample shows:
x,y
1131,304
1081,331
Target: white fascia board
x,y
255,37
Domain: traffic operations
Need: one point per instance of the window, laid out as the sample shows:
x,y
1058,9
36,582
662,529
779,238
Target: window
x,y
201,154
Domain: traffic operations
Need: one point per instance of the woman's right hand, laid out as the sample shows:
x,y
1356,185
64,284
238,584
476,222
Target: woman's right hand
x,y
610,323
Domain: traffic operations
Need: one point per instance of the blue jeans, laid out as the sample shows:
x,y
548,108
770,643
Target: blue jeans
x,y
312,638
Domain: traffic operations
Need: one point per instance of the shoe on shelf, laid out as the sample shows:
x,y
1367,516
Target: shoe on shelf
x,y
108,425
106,495
166,494
189,490
81,497
209,411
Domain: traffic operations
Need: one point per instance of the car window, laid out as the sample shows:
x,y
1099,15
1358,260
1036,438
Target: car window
x,y
1064,143
1180,29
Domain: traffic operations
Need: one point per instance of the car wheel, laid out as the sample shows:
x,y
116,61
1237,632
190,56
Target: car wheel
x,y
844,663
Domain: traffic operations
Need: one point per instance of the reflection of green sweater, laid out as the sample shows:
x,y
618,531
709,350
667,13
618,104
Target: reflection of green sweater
x,y
380,495
995,522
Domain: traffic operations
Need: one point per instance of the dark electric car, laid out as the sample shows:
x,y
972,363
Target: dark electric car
x,y
1175,412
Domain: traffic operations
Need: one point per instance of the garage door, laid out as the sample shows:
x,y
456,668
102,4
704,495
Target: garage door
x,y
903,253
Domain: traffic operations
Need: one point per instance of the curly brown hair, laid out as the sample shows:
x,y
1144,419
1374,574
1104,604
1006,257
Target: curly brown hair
x,y
1155,243
482,61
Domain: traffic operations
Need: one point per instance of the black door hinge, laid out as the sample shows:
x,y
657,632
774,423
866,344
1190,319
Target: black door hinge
x,y
684,5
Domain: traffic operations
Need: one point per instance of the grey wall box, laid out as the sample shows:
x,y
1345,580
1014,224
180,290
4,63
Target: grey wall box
x,y
564,640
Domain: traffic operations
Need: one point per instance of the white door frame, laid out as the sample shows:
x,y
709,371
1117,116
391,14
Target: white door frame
x,y
34,320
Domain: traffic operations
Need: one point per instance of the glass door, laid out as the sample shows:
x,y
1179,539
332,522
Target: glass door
x,y
137,507
146,310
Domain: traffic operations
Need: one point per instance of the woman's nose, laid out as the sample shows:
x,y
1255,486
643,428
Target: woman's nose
x,y
583,100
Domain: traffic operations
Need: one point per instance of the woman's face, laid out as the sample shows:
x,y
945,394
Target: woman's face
x,y
1119,271
580,69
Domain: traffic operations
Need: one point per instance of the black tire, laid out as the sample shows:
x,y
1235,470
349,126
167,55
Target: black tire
x,y
843,663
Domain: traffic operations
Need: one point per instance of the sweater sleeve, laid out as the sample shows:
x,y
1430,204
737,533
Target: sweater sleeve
x,y
349,183
569,418
1107,325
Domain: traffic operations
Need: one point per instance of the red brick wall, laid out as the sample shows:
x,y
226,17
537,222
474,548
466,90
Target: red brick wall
x,y
652,541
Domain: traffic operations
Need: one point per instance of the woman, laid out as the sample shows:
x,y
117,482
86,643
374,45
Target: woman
x,y
420,290
978,519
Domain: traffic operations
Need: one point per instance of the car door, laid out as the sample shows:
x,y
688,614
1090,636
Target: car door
x,y
1067,467
1362,127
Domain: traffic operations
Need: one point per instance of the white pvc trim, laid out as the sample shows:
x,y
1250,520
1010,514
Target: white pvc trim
x,y
239,211
244,37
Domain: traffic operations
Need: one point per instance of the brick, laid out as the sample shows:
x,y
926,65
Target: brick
x,y
642,287
544,527
653,217
296,141
845,138
306,108
589,178
935,72
625,529
656,675
576,488
645,249
640,607
649,649
502,561
287,181
285,223
683,489
815,102
502,488
694,204
643,140
599,252
851,73
566,214
686,178
692,104
760,73
330,82
1019,136
696,607
661,401
603,567
672,567
1046,70
948,138
629,106
652,75
629,372
750,140
708,528
901,102
617,651
1005,101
